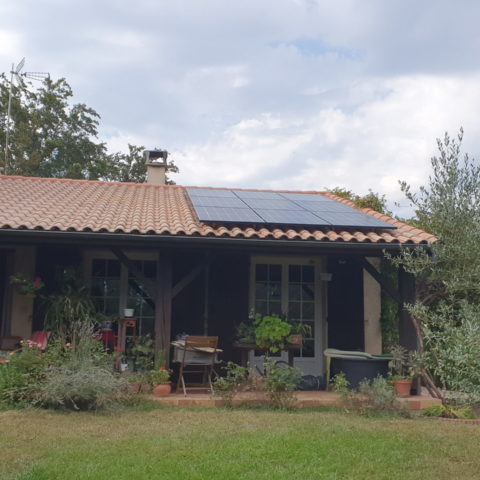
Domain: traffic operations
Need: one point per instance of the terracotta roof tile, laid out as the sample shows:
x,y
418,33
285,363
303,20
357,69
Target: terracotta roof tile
x,y
81,205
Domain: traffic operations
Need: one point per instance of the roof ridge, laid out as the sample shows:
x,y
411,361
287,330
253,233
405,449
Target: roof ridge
x,y
81,180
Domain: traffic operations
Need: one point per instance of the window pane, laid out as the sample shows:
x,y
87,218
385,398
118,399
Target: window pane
x,y
275,273
113,268
294,273
261,272
275,291
275,308
150,269
111,306
308,310
112,287
308,274
261,307
294,291
99,268
308,349
261,290
147,326
294,311
307,292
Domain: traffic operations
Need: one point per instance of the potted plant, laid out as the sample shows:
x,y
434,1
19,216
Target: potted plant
x,y
401,371
271,332
298,331
25,286
160,380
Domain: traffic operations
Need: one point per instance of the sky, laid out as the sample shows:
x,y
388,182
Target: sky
x,y
287,94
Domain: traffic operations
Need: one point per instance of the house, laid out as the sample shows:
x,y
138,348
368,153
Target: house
x,y
143,246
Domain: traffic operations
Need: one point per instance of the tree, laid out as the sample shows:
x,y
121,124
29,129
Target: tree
x,y
372,200
447,312
51,137
131,166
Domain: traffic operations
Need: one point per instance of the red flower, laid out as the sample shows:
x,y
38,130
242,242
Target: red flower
x,y
162,367
115,347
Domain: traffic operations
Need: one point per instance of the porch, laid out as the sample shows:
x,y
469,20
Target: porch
x,y
337,292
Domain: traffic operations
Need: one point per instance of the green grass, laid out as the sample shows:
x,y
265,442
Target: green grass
x,y
168,443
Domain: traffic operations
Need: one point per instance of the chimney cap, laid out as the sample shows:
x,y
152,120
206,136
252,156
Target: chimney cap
x,y
156,157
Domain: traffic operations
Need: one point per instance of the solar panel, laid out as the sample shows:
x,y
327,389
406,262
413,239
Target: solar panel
x,y
218,202
312,197
209,192
292,217
354,219
245,206
220,214
330,206
271,204
252,194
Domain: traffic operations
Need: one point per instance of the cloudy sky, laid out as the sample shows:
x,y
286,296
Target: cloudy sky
x,y
296,94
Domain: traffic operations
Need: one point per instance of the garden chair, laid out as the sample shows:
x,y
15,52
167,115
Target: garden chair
x,y
197,358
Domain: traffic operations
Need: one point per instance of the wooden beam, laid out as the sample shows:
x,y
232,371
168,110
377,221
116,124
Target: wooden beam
x,y
138,288
163,303
383,281
189,278
147,284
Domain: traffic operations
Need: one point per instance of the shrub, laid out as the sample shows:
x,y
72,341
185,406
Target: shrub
x,y
228,385
88,388
280,384
379,396
449,411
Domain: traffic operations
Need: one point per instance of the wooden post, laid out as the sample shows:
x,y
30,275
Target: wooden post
x,y
408,335
206,300
163,305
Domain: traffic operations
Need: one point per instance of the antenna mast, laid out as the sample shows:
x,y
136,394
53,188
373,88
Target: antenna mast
x,y
15,72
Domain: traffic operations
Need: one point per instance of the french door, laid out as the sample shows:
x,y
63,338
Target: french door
x,y
293,288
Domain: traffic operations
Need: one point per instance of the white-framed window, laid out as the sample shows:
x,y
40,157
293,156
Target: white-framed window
x,y
112,286
291,287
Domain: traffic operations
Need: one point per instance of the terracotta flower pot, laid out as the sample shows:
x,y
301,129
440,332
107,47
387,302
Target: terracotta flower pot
x,y
162,390
402,387
295,339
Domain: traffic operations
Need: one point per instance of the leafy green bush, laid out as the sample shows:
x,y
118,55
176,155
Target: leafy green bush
x,y
281,381
228,385
452,338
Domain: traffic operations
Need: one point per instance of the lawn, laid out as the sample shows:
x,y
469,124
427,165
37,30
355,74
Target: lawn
x,y
175,443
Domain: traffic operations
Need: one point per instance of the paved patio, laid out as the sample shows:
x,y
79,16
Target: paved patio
x,y
304,399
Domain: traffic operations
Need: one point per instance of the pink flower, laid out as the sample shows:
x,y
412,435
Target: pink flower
x,y
37,282
68,344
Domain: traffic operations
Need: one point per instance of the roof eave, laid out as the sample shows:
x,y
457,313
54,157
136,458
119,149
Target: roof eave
x,y
139,240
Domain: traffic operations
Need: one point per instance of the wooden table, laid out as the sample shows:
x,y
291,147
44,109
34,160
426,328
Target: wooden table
x,y
246,348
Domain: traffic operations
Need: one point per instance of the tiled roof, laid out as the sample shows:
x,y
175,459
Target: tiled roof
x,y
131,208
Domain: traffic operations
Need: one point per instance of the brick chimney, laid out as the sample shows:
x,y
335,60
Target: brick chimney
x,y
156,161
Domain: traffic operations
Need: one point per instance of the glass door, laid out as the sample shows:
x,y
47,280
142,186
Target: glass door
x,y
291,289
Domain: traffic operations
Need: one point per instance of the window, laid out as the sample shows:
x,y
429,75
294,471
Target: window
x,y
288,289
113,288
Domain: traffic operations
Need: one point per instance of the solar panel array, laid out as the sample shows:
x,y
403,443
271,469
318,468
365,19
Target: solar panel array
x,y
241,206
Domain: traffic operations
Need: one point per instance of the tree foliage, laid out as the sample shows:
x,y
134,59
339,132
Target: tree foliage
x,y
447,311
52,137
372,200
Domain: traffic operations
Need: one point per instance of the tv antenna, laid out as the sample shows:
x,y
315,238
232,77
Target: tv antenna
x,y
15,73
